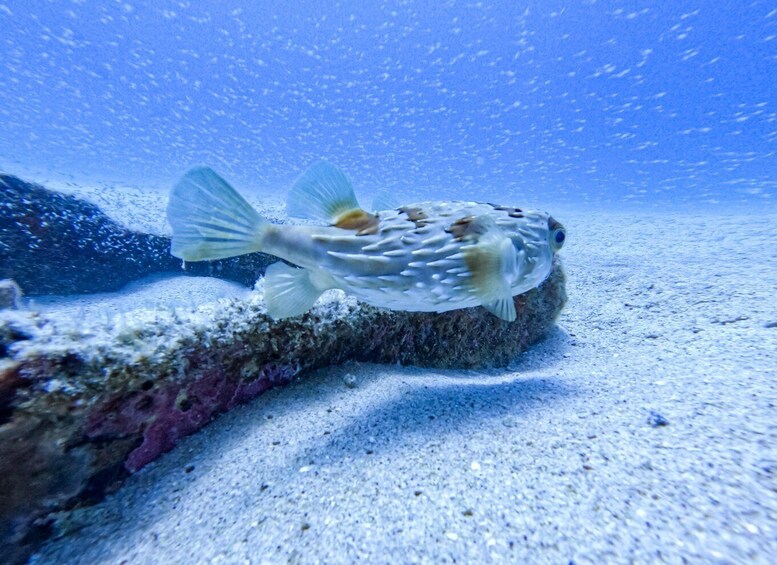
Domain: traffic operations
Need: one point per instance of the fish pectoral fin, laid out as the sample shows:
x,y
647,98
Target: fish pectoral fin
x,y
289,291
325,194
502,308
491,260
211,220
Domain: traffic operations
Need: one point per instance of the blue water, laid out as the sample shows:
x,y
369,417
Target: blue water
x,y
594,102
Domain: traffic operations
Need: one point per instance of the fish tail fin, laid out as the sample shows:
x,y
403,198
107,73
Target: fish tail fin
x,y
289,291
211,220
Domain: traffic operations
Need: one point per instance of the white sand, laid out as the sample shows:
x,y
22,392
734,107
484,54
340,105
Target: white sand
x,y
550,461
156,292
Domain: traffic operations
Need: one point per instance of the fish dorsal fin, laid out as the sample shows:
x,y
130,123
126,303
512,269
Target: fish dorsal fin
x,y
325,194
384,200
322,193
491,261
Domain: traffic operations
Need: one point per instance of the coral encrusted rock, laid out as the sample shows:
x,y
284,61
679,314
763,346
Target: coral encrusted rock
x,y
53,243
82,407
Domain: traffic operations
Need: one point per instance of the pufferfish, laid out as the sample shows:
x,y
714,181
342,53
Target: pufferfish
x,y
423,257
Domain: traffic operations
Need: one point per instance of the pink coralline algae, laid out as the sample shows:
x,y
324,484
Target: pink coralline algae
x,y
164,414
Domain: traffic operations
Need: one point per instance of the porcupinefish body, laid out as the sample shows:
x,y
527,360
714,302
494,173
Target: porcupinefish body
x,y
427,256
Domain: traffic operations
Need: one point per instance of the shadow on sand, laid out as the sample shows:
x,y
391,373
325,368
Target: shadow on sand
x,y
390,409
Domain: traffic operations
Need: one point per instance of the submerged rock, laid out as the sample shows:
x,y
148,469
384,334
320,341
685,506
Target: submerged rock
x,y
53,243
10,295
82,407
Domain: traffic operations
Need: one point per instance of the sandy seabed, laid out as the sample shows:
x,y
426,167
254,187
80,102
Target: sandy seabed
x,y
644,429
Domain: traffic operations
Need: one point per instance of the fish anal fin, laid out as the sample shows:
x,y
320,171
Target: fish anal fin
x,y
290,291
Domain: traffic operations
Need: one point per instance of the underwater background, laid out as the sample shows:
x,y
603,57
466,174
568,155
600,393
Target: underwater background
x,y
152,411
600,103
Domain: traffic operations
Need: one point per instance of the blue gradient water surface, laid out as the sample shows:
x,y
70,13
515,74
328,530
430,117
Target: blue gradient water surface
x,y
597,102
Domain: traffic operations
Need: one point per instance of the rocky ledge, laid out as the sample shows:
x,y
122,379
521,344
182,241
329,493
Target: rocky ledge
x,y
54,243
82,407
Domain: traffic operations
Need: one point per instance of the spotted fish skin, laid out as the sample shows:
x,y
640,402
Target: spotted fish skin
x,y
419,265
427,256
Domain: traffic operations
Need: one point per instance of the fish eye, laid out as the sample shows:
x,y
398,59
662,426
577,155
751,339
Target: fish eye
x,y
558,236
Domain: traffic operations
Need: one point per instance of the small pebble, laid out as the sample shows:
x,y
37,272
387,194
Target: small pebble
x,y
350,380
656,420
510,422
645,466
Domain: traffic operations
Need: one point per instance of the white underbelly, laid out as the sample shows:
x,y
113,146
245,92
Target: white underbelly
x,y
416,290
415,300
